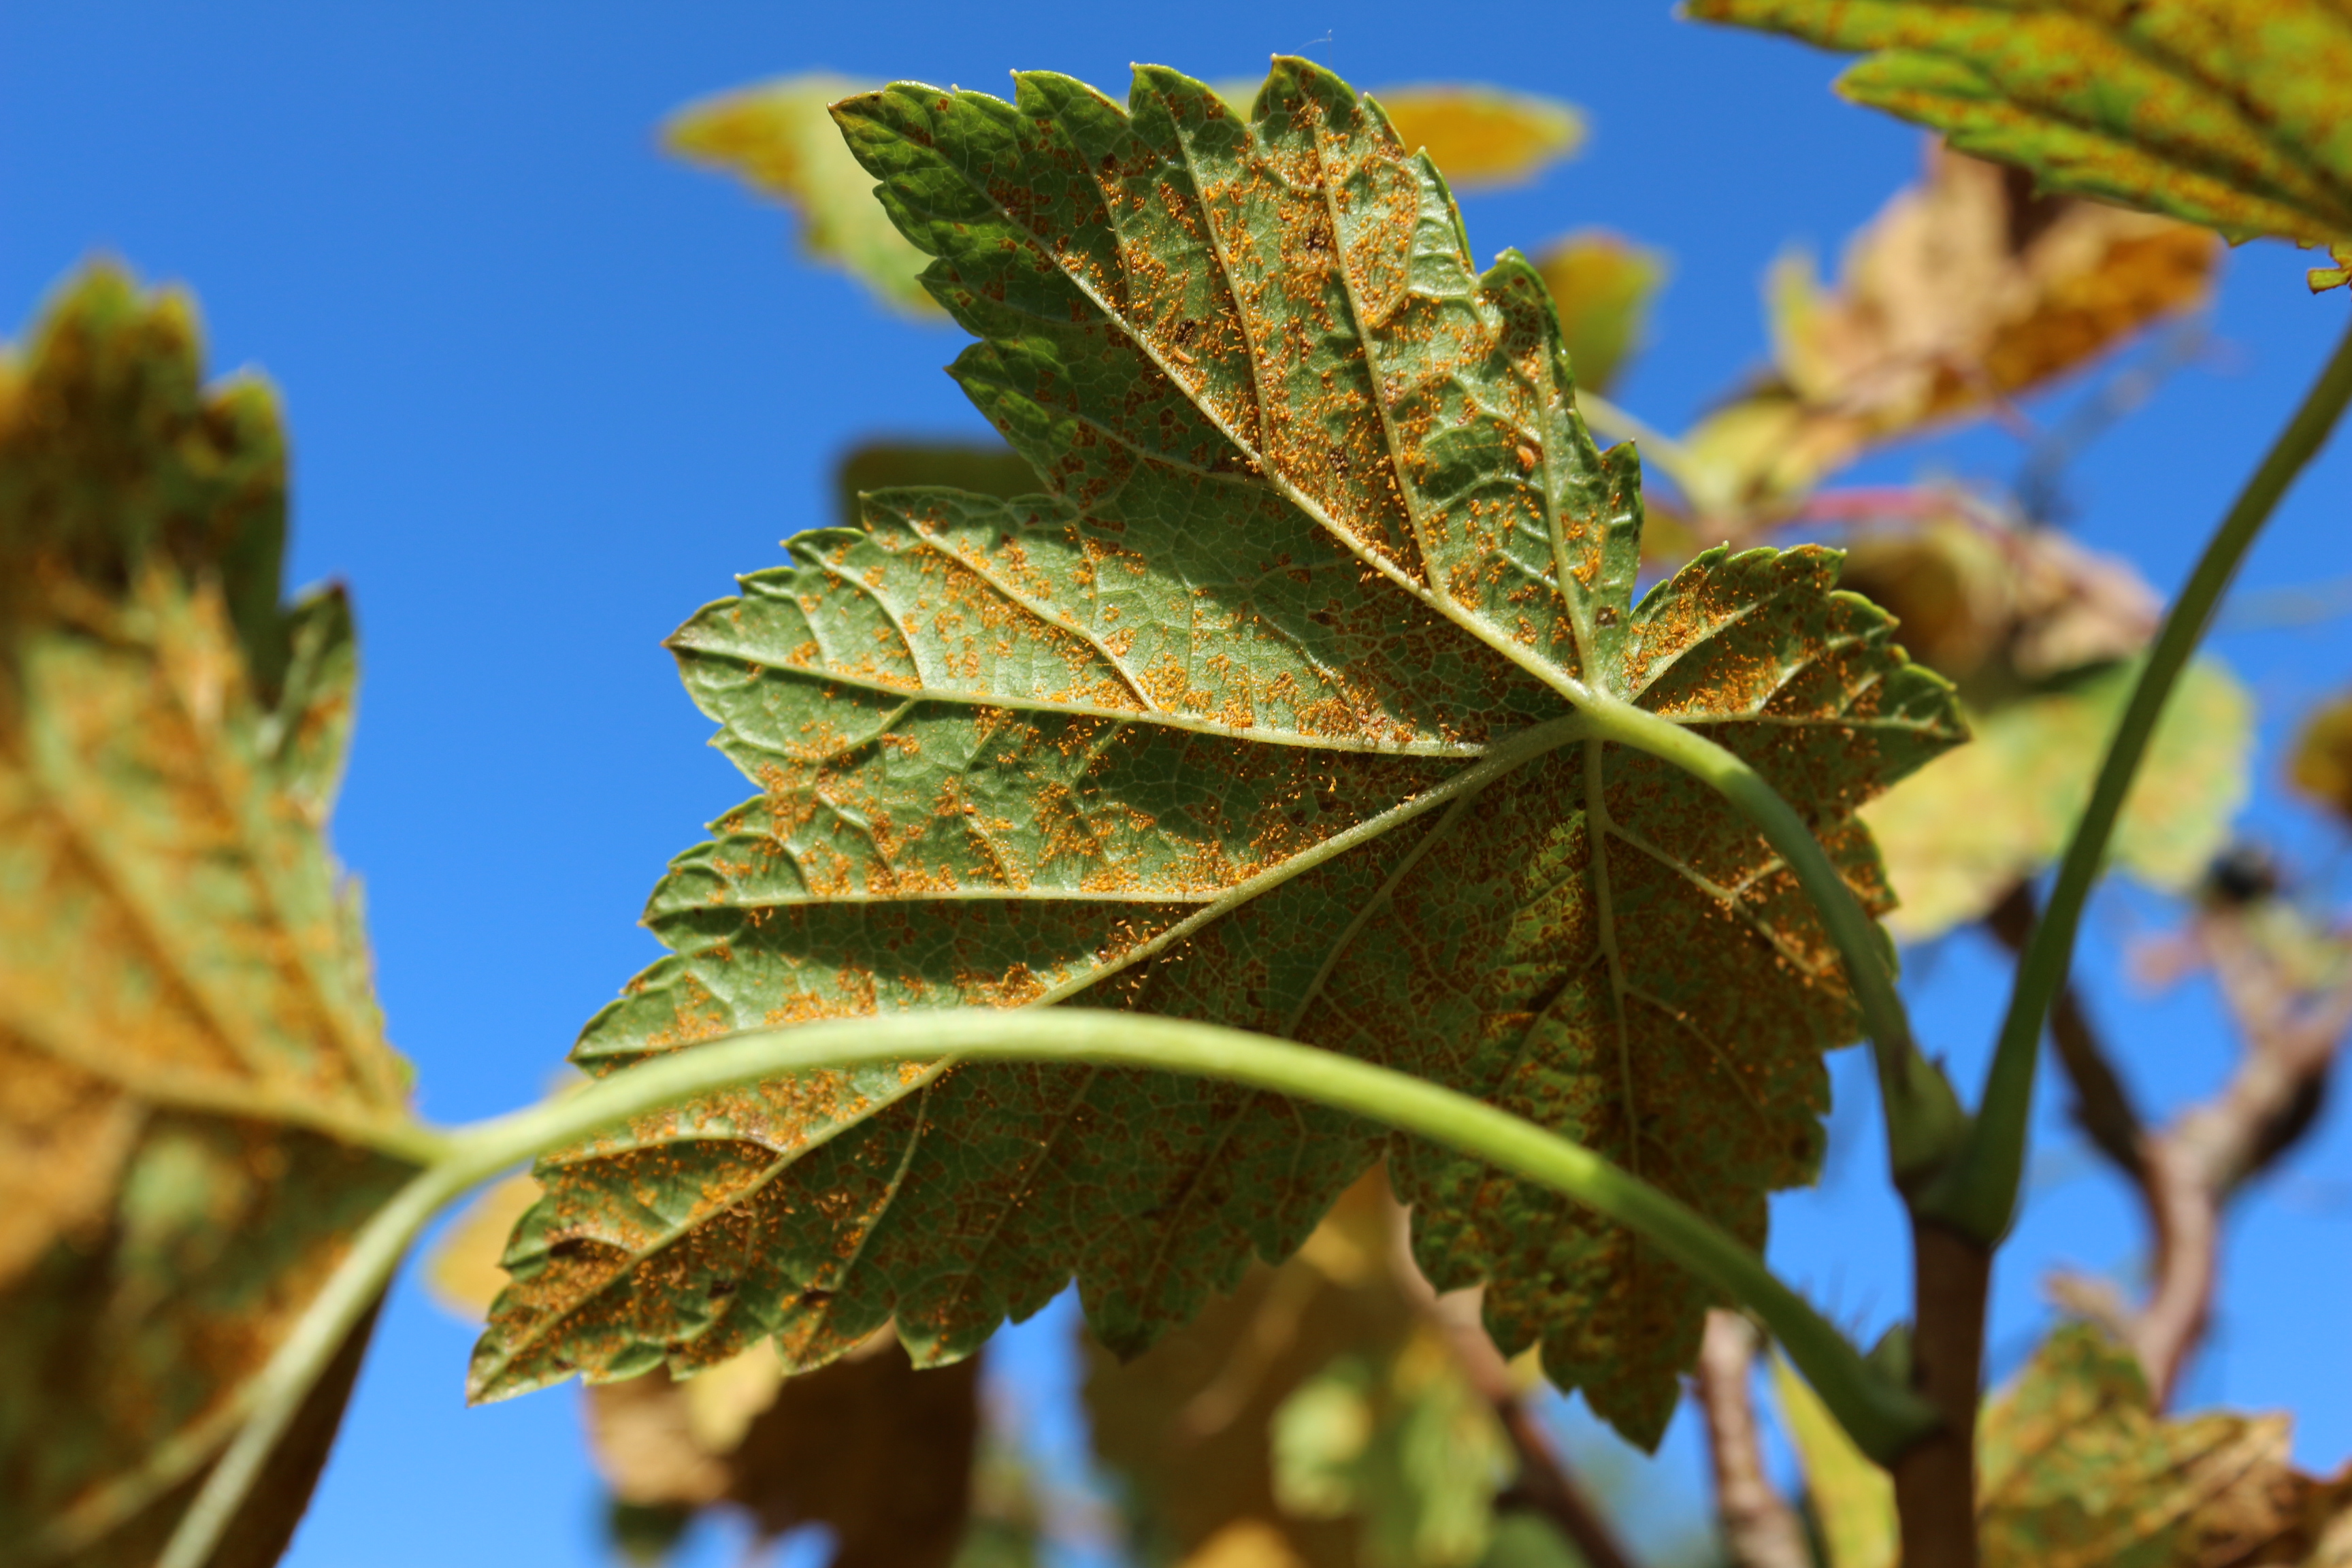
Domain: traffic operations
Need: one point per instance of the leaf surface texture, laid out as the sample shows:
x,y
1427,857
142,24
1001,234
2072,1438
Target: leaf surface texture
x,y
191,1058
2227,114
1261,711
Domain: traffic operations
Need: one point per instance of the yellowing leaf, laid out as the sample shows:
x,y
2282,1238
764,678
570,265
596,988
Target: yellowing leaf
x,y
1963,291
1245,1543
1195,1427
1483,135
1402,1445
1852,1499
1264,709
2321,767
1601,287
2227,114
778,138
1963,830
193,1073
2077,1470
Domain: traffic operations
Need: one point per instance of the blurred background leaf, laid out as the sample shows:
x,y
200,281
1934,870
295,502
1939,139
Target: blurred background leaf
x,y
1603,285
1967,291
2227,116
195,1090
778,137
1483,136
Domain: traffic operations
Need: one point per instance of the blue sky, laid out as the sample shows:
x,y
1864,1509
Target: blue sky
x,y
549,392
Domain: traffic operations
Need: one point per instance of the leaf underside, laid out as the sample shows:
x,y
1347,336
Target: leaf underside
x,y
1319,533
2223,112
2079,1471
183,991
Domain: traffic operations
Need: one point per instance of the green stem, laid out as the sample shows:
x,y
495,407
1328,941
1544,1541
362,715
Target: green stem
x,y
1882,1418
1924,1121
277,1392
1978,1196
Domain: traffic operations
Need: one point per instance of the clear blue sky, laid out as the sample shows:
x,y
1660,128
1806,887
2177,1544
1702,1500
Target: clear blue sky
x,y
548,392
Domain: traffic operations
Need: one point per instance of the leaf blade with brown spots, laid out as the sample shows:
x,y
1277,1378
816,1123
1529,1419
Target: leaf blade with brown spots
x,y
1261,711
193,1073
2220,112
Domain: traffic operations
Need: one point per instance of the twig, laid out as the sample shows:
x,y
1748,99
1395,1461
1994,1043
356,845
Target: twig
x,y
1759,1526
2187,1172
2289,1041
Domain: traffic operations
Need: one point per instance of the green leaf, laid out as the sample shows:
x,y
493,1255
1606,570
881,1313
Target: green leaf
x,y
778,138
1961,832
1262,713
192,1067
2077,1470
2223,112
1601,286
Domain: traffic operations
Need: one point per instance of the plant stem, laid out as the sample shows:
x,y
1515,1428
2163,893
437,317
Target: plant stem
x,y
1882,1418
1924,1121
279,1392
1978,1197
1935,1480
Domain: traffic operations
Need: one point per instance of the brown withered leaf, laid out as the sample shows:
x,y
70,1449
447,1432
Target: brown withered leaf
x,y
1997,607
1226,723
879,1452
1965,292
875,1449
2077,1470
193,1080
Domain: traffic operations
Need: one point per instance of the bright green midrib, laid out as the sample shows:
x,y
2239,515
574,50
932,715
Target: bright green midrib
x,y
1979,1195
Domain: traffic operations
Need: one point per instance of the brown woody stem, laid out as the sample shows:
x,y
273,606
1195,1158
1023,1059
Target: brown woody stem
x,y
2195,1164
1935,1480
1544,1486
1760,1529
